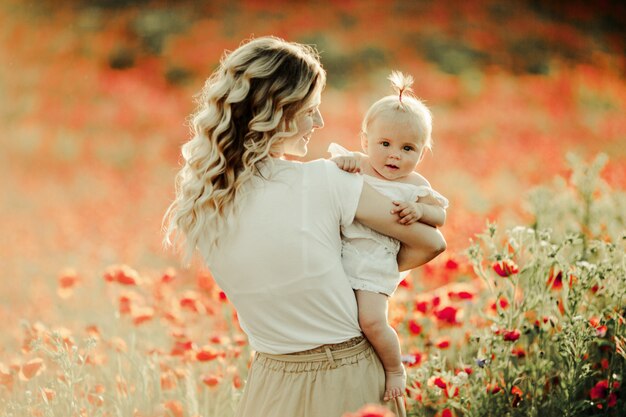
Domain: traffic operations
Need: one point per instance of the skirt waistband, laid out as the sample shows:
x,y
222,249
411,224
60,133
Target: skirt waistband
x,y
330,352
334,346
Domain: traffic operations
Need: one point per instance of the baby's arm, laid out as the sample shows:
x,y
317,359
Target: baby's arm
x,y
427,210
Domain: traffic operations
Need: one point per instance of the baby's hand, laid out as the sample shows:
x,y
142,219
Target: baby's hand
x,y
348,163
408,213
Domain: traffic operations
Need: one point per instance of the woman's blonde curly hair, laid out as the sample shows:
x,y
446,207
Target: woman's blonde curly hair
x,y
245,111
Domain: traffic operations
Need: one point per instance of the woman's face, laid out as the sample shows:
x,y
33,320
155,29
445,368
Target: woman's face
x,y
307,120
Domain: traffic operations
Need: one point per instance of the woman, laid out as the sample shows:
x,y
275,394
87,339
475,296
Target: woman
x,y
268,229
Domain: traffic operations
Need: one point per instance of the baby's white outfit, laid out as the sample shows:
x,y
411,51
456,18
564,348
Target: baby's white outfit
x,y
369,258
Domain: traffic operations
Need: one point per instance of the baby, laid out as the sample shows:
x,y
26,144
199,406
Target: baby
x,y
395,132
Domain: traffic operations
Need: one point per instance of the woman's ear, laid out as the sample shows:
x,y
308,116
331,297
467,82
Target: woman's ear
x,y
363,141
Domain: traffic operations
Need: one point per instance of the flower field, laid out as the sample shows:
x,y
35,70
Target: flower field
x,y
523,314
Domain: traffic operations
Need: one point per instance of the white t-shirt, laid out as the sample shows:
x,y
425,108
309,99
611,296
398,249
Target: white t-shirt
x,y
280,262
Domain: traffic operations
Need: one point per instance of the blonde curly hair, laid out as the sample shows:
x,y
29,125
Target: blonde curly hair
x,y
245,111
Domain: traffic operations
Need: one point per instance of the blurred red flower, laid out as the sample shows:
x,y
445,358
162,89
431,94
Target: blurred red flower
x,y
505,268
206,354
412,359
493,388
446,412
447,315
452,265
422,306
371,410
511,335
461,295
443,344
122,274
211,380
555,279
502,302
518,351
414,327
517,395
601,391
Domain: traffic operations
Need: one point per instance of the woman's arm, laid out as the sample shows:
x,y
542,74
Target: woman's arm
x,y
432,215
420,242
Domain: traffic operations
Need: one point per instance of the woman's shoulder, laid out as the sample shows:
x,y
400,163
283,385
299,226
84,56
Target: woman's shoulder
x,y
325,166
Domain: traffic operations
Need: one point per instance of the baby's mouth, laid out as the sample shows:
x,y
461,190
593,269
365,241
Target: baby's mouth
x,y
391,166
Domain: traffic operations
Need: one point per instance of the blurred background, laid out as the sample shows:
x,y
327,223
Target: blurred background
x,y
94,97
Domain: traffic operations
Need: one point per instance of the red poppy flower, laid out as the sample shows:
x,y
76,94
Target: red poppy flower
x,y
443,344
211,380
122,274
414,327
502,301
461,295
447,413
412,359
440,383
505,268
68,278
511,335
452,265
555,279
517,395
519,352
371,410
422,306
436,301
493,389
447,315
31,368
206,354
601,391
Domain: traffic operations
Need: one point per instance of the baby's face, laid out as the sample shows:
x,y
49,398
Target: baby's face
x,y
393,145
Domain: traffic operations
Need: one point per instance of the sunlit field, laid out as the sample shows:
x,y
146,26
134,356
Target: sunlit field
x,y
523,315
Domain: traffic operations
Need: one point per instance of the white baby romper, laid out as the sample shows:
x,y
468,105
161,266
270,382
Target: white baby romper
x,y
369,258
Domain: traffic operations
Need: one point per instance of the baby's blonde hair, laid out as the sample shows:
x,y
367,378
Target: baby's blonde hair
x,y
403,101
245,111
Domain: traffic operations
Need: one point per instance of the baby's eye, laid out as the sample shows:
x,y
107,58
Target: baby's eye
x,y
408,148
385,143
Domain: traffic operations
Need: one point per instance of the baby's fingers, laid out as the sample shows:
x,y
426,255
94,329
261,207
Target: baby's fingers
x,y
408,220
400,205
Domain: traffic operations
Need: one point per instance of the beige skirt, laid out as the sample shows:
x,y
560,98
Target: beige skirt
x,y
327,381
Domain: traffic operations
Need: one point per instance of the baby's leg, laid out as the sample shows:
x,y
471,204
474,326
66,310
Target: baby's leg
x,y
373,321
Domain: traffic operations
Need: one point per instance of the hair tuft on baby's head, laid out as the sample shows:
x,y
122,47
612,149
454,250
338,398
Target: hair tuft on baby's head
x,y
401,83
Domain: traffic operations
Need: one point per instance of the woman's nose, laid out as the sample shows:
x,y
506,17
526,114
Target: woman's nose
x,y
318,121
